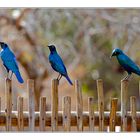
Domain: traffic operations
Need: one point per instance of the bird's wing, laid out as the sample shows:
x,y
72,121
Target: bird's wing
x,y
9,60
129,64
11,65
57,64
7,55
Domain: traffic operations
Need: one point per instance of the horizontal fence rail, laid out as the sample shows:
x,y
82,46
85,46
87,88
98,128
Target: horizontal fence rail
x,y
14,120
31,120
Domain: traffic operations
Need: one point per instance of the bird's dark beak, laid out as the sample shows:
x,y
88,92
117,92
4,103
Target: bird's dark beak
x,y
49,46
1,44
111,55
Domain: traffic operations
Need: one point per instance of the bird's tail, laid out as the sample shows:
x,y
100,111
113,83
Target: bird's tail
x,y
67,77
19,78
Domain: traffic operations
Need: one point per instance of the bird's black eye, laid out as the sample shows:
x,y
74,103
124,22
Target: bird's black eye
x,y
116,53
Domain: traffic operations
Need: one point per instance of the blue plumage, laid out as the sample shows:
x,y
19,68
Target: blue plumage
x,y
9,61
57,64
126,62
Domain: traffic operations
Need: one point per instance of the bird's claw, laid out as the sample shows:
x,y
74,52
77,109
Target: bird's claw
x,y
127,78
58,78
9,76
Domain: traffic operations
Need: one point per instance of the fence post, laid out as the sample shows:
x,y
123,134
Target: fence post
x,y
124,98
79,106
42,118
139,88
8,93
113,110
100,104
20,114
54,105
30,87
0,104
133,113
91,113
66,106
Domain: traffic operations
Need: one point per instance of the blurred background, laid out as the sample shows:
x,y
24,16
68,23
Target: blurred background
x,y
84,38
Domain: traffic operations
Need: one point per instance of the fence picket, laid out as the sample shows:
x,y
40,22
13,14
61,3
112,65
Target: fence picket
x,y
8,93
100,104
30,87
139,88
54,103
0,104
133,113
91,113
20,114
42,118
66,113
79,106
112,122
124,98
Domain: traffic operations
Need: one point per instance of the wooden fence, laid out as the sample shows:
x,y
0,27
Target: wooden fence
x,y
66,119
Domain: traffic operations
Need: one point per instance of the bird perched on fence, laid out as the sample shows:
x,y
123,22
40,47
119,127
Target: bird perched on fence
x,y
10,62
57,64
126,63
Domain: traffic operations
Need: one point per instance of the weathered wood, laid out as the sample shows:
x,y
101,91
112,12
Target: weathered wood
x,y
124,98
139,88
42,118
100,104
20,114
66,107
91,113
133,113
73,118
79,105
8,110
0,104
112,122
54,103
30,87
0,112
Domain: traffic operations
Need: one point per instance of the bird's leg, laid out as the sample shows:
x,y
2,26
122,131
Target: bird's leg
x,y
7,75
127,77
58,76
11,76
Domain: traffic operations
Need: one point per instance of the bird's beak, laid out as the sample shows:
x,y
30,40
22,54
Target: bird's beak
x,y
111,55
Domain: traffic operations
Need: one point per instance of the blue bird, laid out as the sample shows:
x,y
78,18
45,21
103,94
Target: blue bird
x,y
57,64
126,63
10,62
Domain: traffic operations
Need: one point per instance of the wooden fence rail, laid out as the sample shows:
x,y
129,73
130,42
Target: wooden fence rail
x,y
32,120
